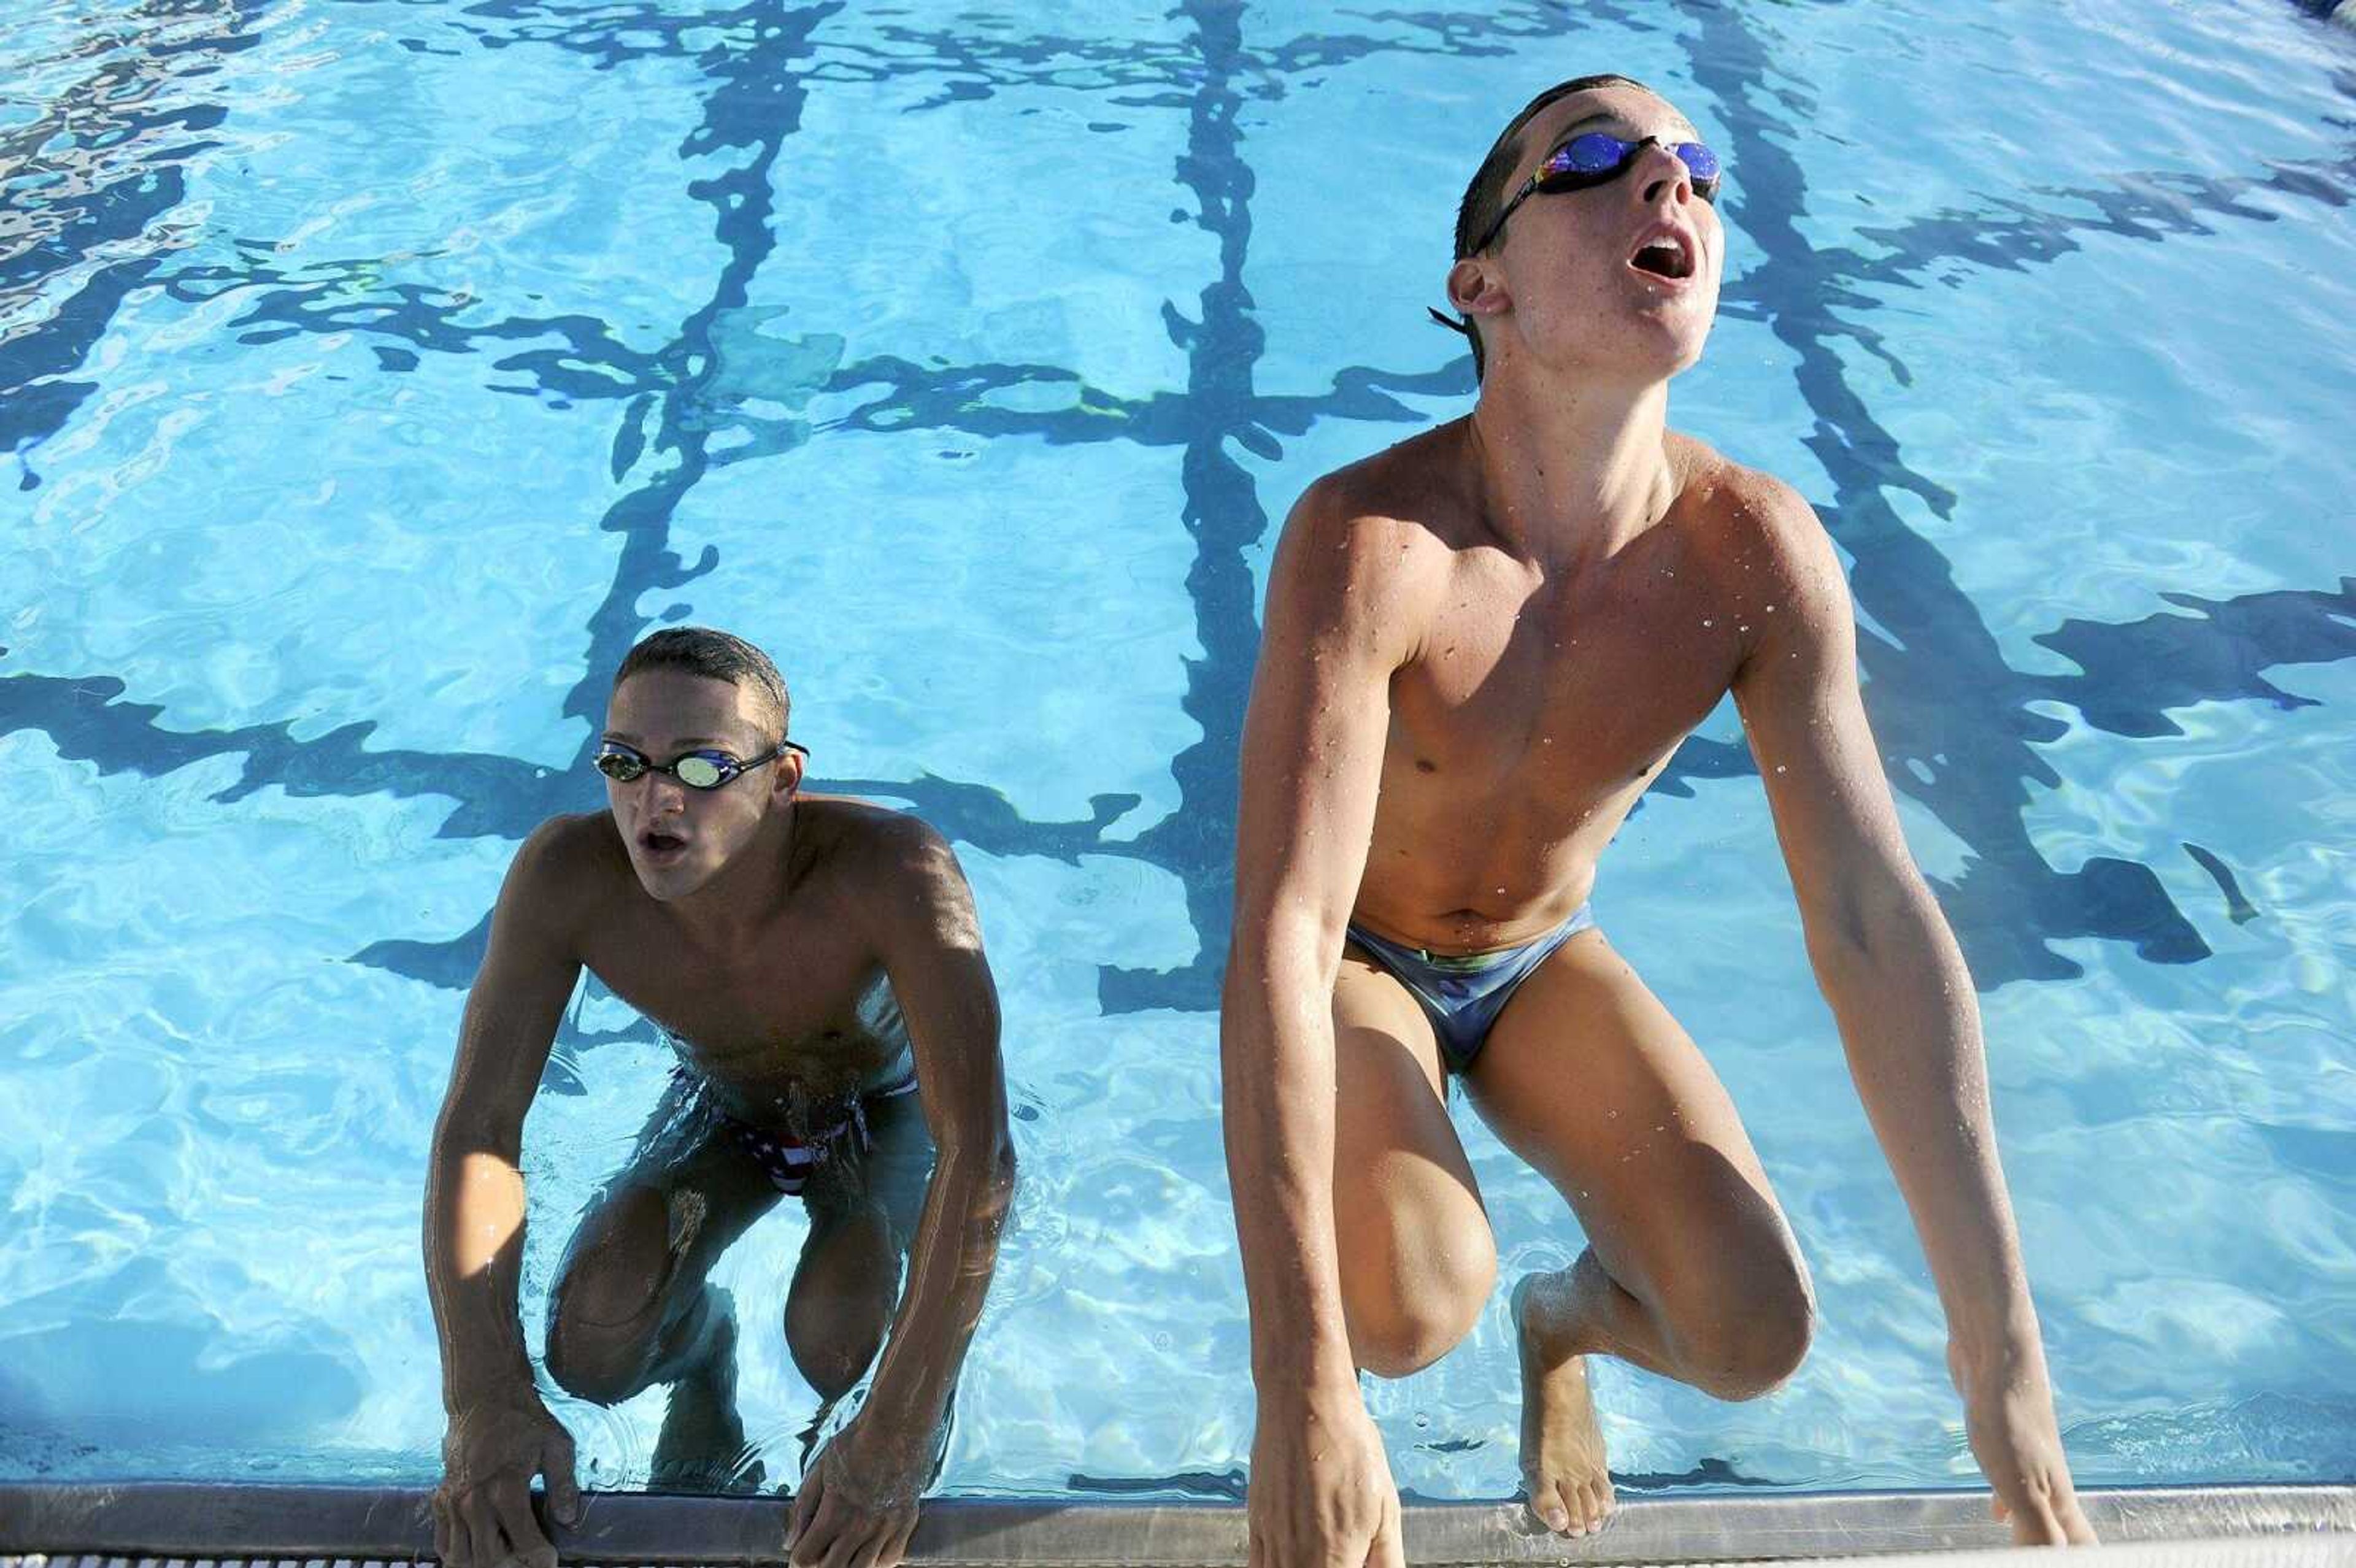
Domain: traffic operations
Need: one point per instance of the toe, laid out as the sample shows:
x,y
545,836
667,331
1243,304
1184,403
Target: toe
x,y
1593,1508
1548,1502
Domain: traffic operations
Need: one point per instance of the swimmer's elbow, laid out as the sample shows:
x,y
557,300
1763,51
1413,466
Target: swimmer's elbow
x,y
999,1180
985,1158
1287,947
468,1126
983,1192
1872,926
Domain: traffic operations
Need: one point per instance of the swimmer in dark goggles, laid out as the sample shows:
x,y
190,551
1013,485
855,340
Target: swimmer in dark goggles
x,y
696,770
1597,157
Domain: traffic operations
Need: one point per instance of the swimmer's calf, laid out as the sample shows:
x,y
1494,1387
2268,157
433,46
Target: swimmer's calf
x,y
817,964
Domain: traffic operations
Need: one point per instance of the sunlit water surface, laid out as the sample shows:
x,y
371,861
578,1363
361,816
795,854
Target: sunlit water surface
x,y
372,374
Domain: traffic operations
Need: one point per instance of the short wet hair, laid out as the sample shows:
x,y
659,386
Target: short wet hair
x,y
716,655
1486,195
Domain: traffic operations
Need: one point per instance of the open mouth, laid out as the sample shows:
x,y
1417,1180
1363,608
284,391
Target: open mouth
x,y
1665,256
655,841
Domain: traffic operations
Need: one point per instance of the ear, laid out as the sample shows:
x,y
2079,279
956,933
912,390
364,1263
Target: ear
x,y
1476,288
788,771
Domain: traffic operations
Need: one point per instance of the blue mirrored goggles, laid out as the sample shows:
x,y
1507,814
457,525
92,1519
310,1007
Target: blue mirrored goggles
x,y
696,770
1597,157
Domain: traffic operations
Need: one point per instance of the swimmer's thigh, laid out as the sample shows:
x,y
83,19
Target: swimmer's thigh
x,y
1412,1239
1588,1078
629,1291
864,1206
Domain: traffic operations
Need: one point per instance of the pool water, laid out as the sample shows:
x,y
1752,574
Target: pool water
x,y
373,372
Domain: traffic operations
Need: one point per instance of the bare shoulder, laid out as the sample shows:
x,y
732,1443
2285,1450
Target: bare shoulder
x,y
1759,525
895,863
564,866
1404,495
1364,538
875,838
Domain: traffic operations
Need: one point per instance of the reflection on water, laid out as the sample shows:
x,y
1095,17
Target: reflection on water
x,y
147,253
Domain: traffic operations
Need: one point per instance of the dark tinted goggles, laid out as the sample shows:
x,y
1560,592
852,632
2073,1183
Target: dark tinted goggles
x,y
1597,157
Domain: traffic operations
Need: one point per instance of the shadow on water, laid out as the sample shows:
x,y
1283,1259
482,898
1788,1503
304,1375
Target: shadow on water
x,y
93,174
1952,718
1956,723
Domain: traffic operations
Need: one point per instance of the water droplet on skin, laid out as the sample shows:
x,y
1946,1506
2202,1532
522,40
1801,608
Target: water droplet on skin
x,y
1708,622
1614,1116
1779,767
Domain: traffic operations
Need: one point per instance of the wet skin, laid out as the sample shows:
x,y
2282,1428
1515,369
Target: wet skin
x,y
757,925
1479,647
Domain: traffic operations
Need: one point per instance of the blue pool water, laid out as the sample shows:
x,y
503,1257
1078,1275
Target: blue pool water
x,y
373,373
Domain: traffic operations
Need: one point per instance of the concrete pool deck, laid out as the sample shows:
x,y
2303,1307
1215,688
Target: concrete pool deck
x,y
170,1524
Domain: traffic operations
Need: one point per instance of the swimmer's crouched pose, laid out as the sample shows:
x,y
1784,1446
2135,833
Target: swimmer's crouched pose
x,y
816,963
1480,648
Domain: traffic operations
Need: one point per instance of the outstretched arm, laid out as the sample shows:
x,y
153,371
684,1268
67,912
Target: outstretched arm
x,y
859,1503
500,1434
1903,1001
1312,750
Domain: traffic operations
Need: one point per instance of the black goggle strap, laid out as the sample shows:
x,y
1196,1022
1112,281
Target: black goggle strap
x,y
1705,185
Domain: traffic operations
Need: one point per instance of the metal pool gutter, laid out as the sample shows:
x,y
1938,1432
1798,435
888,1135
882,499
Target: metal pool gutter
x,y
170,1525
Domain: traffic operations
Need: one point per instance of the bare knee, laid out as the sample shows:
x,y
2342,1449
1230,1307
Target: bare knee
x,y
833,1349
605,1318
1755,1339
840,1306
1407,1316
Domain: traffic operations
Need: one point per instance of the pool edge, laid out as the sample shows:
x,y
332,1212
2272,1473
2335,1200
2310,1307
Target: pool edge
x,y
209,1521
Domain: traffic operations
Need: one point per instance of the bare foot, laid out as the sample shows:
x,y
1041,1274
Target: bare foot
x,y
702,1448
1562,1445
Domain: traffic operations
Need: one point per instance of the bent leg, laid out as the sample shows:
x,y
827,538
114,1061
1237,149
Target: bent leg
x,y
630,1307
1691,1271
863,1209
1411,1238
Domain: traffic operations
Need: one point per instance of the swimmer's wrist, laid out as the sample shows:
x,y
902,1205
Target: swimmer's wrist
x,y
901,1416
2002,1355
891,1445
472,1388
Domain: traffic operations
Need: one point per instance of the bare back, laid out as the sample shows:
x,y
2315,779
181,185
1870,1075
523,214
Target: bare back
x,y
1535,699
